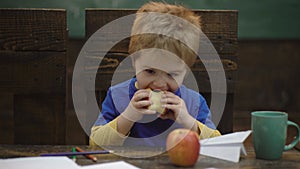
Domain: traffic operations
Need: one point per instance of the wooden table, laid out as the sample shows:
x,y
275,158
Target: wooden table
x,y
289,160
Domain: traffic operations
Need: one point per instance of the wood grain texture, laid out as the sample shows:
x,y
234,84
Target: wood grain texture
x,y
39,118
289,160
74,132
6,118
33,30
33,73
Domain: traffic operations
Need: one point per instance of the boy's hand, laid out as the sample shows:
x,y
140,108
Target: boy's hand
x,y
177,110
138,106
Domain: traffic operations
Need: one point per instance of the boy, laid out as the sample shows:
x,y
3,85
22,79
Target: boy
x,y
161,63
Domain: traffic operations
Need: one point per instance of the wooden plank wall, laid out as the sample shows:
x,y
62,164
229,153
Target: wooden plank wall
x,y
74,131
32,77
219,26
268,79
35,54
37,60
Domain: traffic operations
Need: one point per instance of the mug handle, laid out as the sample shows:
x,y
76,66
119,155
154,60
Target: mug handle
x,y
296,140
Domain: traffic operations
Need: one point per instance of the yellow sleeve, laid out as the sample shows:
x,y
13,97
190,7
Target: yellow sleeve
x,y
106,135
207,132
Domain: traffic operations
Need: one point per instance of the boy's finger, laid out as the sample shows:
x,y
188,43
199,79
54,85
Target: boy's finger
x,y
141,96
149,111
143,103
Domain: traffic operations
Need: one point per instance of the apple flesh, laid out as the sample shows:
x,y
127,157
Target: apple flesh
x,y
155,97
183,147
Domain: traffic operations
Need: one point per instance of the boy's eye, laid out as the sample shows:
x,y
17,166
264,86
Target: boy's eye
x,y
150,71
172,74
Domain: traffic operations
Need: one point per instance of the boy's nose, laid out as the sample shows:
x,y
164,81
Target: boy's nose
x,y
160,83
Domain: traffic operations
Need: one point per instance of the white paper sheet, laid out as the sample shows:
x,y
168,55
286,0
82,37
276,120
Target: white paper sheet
x,y
57,163
226,147
111,165
38,163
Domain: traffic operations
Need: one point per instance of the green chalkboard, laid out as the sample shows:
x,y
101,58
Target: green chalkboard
x,y
264,19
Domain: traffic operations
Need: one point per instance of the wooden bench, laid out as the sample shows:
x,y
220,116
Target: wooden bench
x,y
220,26
32,77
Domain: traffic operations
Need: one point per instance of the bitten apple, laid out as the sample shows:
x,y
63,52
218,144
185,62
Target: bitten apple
x,y
155,97
183,147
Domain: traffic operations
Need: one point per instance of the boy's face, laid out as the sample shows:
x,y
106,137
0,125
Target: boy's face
x,y
159,69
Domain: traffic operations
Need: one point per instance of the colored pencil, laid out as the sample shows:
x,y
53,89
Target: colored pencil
x,y
93,158
74,156
76,153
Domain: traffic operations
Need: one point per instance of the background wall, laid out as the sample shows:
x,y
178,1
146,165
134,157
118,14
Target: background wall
x,y
257,18
268,55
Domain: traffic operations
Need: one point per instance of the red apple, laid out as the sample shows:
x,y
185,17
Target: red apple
x,y
183,147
